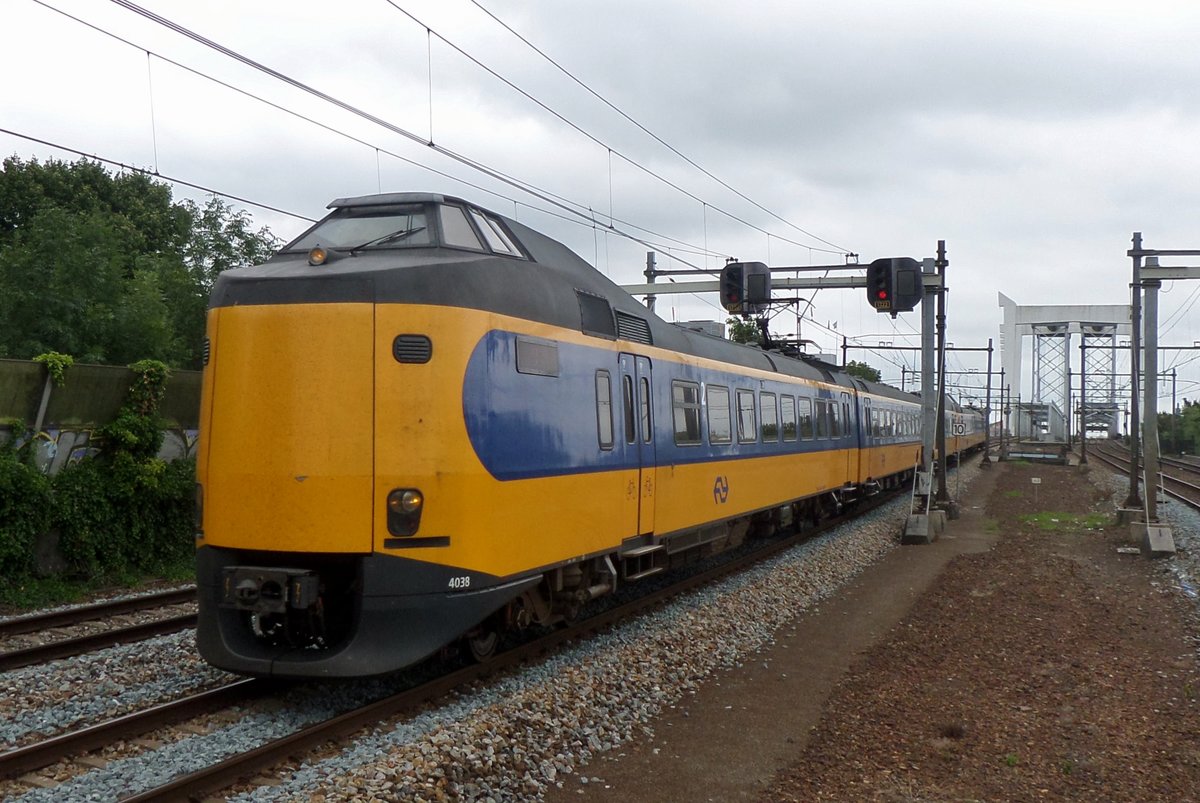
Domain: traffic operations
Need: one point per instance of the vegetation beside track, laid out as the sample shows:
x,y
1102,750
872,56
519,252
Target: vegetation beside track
x,y
115,518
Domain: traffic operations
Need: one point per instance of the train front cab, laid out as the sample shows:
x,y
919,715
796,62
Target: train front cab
x,y
308,563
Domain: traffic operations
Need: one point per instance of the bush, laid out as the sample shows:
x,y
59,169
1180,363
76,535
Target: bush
x,y
120,514
25,505
125,509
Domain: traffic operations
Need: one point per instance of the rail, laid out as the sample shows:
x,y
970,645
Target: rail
x,y
34,756
66,648
87,613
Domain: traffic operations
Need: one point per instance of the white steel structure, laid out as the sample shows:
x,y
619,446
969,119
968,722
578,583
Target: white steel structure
x,y
1052,327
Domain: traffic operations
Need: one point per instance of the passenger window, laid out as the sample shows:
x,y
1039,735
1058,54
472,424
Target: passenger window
x,y
647,430
806,418
685,406
822,419
789,417
630,433
720,426
747,426
770,417
835,420
604,425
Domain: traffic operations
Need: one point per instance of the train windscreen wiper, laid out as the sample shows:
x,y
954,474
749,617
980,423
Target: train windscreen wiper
x,y
391,237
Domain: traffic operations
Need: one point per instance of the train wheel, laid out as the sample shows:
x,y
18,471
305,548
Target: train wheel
x,y
482,643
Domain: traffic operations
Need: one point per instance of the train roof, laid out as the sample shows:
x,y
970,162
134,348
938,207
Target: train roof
x,y
388,198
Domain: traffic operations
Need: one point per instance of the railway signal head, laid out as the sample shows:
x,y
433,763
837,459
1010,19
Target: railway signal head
x,y
745,287
733,287
894,284
879,285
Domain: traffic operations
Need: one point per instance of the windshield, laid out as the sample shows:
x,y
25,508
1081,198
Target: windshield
x,y
368,227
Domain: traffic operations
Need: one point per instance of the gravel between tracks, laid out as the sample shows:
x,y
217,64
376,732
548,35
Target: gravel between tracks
x,y
45,699
8,612
54,635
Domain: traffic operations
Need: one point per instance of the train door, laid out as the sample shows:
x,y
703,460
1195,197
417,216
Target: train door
x,y
850,430
638,411
866,467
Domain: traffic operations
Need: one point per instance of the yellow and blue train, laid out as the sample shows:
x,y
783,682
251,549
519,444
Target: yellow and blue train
x,y
425,422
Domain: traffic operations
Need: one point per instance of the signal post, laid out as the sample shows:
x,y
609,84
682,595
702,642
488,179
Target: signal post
x,y
1155,536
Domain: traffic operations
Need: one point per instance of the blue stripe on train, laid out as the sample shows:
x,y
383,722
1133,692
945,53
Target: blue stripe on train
x,y
524,425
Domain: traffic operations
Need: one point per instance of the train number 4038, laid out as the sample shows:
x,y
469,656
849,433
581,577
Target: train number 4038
x,y
460,582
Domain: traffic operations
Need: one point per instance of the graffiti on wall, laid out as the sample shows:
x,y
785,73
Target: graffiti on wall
x,y
55,449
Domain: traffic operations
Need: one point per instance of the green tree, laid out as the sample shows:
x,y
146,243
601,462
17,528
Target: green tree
x,y
744,331
109,268
1189,427
863,371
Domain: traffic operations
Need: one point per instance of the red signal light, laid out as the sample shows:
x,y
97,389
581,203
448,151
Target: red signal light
x,y
882,295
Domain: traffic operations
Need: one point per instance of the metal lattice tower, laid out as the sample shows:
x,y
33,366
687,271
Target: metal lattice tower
x,y
1052,365
1100,379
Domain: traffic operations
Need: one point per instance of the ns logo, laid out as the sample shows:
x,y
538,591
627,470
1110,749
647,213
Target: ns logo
x,y
720,490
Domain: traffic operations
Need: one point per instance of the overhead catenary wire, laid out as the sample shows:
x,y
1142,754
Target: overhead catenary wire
x,y
1178,315
575,126
573,217
156,174
230,196
574,208
549,198
543,195
651,134
652,240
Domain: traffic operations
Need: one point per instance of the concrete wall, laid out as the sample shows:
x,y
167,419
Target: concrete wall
x,y
90,397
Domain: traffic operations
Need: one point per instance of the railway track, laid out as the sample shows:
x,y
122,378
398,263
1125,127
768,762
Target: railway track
x,y
19,760
88,613
237,768
1180,478
68,647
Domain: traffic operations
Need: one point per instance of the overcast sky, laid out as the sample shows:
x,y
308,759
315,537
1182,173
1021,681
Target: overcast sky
x,y
1034,137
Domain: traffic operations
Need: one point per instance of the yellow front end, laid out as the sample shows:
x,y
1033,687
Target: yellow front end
x,y
286,457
